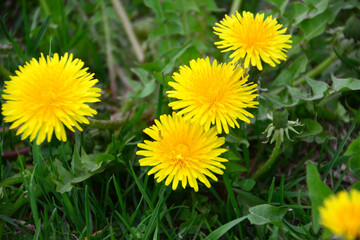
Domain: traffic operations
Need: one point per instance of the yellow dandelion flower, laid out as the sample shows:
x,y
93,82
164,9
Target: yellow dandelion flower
x,y
182,151
213,94
47,94
341,214
253,38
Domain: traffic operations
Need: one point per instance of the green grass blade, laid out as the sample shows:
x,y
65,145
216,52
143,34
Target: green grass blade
x,y
120,197
154,215
10,38
39,36
133,216
340,148
135,119
271,191
126,225
281,189
215,235
141,189
70,211
38,230
87,213
32,198
26,25
232,198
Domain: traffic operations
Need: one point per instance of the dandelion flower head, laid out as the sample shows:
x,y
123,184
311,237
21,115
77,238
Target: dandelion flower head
x,y
341,214
253,38
213,94
47,94
181,151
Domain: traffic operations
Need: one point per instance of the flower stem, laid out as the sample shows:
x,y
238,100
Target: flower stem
x,y
270,161
316,71
120,11
235,6
109,55
313,73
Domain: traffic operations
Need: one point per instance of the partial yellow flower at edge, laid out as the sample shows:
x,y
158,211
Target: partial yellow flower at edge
x,y
252,39
47,94
341,214
182,151
213,94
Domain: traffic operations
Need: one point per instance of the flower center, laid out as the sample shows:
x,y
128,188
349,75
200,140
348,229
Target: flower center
x,y
49,97
258,37
180,154
215,95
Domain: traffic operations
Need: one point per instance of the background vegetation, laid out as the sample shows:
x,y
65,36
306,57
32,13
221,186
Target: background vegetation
x,y
92,186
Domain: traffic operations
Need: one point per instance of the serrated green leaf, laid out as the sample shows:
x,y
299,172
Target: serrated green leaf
x,y
88,162
155,66
318,90
156,7
76,166
354,165
315,26
147,89
356,186
248,200
191,6
231,138
354,161
265,213
142,74
170,28
211,6
345,84
312,128
342,113
177,53
318,191
280,4
318,5
354,148
279,102
300,11
233,167
295,69
104,158
247,184
63,180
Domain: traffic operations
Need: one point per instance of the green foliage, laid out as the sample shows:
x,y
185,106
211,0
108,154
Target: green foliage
x,y
354,161
318,191
93,187
265,213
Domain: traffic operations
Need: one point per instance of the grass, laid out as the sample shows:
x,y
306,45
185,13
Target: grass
x,y
92,187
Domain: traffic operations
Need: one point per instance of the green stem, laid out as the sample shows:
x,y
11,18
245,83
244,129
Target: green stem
x,y
235,6
109,55
270,161
105,124
316,71
120,11
160,101
313,73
